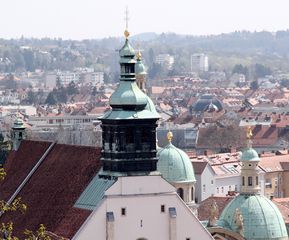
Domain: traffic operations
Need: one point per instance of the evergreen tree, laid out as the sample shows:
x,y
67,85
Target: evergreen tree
x,y
51,99
72,89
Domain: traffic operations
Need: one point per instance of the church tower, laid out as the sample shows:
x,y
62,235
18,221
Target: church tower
x,y
129,127
249,168
140,72
18,133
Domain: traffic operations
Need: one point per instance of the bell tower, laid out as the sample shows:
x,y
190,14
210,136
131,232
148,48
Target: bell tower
x,y
129,127
249,168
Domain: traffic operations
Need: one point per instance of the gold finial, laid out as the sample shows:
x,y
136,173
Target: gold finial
x,y
249,133
126,32
138,55
170,136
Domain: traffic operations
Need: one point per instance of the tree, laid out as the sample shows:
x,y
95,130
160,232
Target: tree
x,y
51,99
94,91
262,71
72,89
254,85
223,138
29,60
58,82
240,69
31,97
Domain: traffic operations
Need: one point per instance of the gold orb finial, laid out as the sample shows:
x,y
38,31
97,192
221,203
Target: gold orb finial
x,y
126,33
170,136
249,132
138,55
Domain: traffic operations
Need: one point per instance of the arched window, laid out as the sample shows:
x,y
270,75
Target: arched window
x,y
180,192
192,194
250,181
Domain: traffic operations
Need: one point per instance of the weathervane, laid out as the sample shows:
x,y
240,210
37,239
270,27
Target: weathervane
x,y
126,32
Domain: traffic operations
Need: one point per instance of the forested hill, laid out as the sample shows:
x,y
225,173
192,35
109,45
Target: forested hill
x,y
50,54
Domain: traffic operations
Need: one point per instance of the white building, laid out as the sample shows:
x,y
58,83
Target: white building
x,y
199,62
219,179
121,215
68,77
165,60
65,121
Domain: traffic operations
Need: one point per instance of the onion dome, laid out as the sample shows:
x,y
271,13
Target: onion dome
x,y
127,51
261,218
249,154
129,101
211,108
174,164
139,67
204,102
18,124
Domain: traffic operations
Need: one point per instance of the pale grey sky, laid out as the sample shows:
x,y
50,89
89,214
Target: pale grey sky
x,y
79,19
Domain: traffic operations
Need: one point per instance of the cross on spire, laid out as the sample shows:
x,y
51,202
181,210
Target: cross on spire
x,y
126,32
126,18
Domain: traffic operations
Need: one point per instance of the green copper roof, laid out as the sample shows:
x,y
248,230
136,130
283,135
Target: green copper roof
x,y
261,217
128,93
175,165
249,154
140,68
127,50
93,193
18,124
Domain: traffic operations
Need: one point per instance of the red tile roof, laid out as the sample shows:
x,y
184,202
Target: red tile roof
x,y
53,189
205,206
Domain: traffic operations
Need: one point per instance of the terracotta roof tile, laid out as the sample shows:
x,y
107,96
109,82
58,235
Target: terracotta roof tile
x,y
53,189
205,206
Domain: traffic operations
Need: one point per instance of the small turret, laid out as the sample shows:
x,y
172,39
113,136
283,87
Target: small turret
x,y
18,133
140,72
250,171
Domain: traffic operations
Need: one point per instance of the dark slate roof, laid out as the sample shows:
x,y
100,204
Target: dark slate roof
x,y
204,101
53,189
199,166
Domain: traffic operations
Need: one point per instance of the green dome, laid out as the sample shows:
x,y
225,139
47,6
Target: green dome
x,y
18,124
128,94
175,165
127,50
249,154
140,68
261,218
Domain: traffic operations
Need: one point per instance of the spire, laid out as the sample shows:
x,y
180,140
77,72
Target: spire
x,y
126,32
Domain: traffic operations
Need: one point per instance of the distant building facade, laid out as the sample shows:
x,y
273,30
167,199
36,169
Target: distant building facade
x,y
165,60
199,62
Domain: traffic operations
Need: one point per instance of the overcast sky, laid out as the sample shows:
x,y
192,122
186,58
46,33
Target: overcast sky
x,y
82,19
